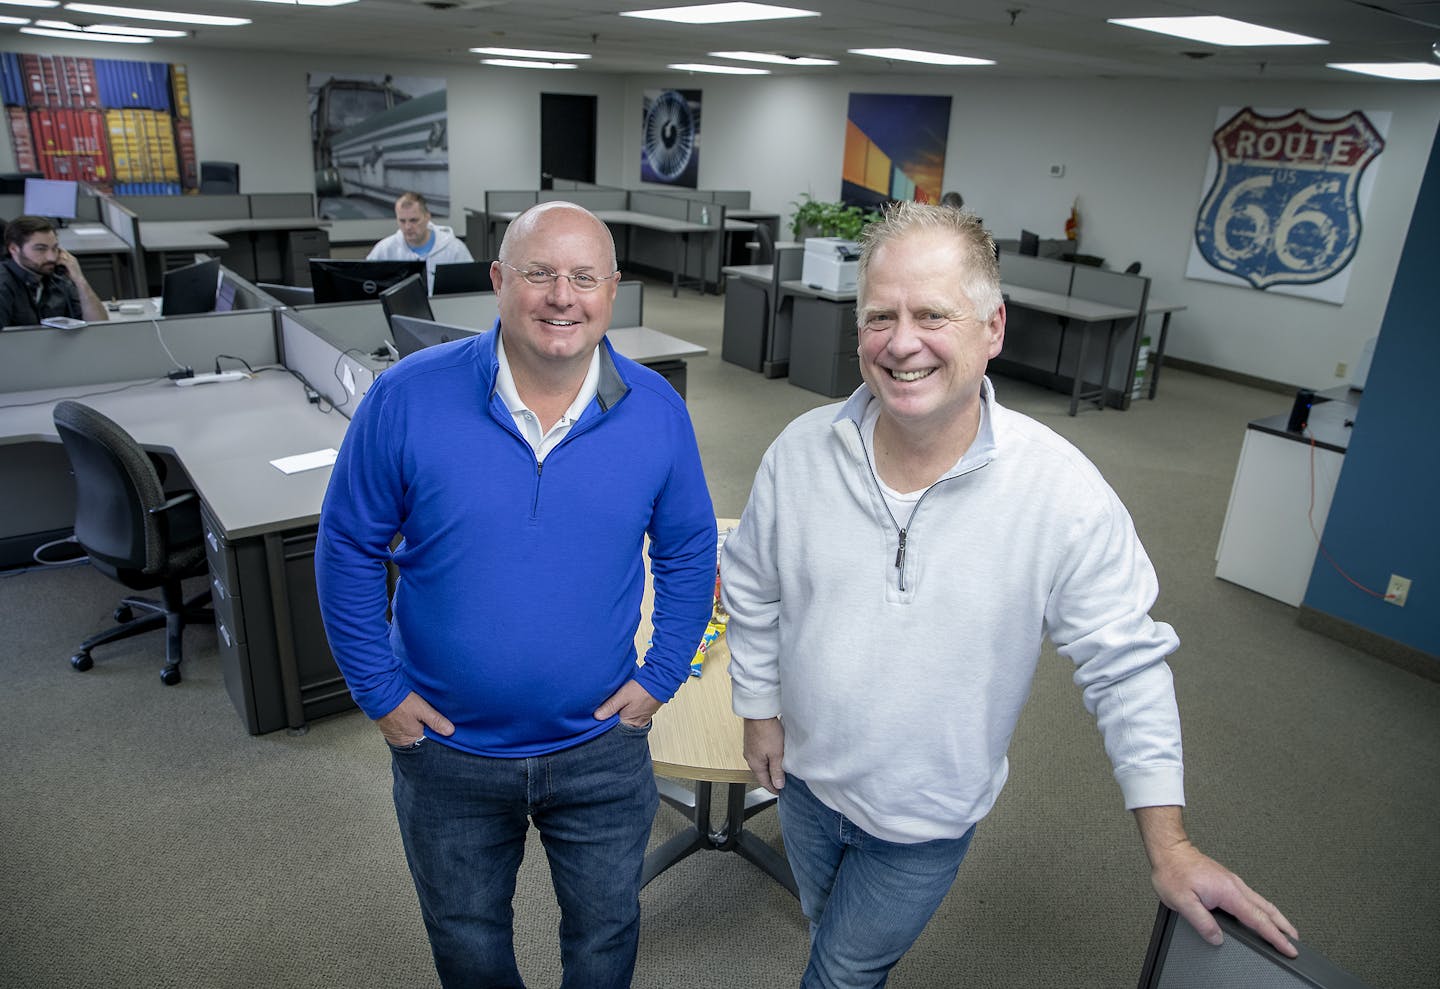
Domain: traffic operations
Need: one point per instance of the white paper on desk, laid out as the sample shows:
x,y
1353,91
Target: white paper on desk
x,y
306,461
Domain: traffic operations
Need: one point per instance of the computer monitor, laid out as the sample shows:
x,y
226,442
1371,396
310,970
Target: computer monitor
x,y
1030,243
462,277
407,297
51,198
1178,958
13,183
348,280
191,289
413,334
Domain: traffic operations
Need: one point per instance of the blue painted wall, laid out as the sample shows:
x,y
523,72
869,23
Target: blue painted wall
x,y
1385,516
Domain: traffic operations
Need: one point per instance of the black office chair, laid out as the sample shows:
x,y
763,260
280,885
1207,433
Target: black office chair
x,y
766,252
133,532
219,177
1133,268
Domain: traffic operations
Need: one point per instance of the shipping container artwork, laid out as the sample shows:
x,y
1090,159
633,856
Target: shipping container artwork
x,y
124,127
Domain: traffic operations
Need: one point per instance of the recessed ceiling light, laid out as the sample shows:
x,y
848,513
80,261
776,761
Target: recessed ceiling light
x,y
769,59
32,3
1412,71
119,39
912,55
526,53
1217,31
139,32
143,14
720,13
719,70
519,63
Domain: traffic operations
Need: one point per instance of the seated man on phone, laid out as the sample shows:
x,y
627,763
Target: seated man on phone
x,y
40,279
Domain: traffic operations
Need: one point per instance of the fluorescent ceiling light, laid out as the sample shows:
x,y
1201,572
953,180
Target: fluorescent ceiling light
x,y
137,32
119,39
14,20
911,55
310,3
1216,31
1415,71
31,3
142,14
769,59
720,13
719,70
527,53
518,63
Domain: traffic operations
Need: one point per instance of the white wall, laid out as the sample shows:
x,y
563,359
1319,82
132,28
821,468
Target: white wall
x,y
1134,153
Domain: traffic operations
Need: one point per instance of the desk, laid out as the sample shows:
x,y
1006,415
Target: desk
x,y
1164,310
1268,543
824,339
165,237
698,737
1070,309
93,240
658,351
260,524
680,230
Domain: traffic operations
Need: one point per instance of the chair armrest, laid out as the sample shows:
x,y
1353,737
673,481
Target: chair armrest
x,y
173,502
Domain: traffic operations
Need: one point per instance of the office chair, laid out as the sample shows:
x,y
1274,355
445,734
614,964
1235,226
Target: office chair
x,y
134,533
1133,268
219,177
766,252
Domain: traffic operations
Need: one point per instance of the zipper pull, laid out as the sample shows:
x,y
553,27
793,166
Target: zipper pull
x,y
900,554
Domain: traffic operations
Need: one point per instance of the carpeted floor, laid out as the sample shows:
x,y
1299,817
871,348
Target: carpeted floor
x,y
146,840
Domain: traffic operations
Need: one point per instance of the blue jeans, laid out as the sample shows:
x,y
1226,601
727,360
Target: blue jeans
x,y
463,819
867,899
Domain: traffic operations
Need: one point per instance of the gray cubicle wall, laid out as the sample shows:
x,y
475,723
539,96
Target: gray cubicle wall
x,y
281,205
180,208
326,346
37,500
1033,339
654,250
1120,289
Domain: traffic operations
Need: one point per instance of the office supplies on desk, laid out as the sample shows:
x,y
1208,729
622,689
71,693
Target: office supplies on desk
x,y
63,322
305,461
212,378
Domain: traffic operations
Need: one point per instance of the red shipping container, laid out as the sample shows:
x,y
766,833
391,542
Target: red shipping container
x,y
25,160
34,80
185,145
80,88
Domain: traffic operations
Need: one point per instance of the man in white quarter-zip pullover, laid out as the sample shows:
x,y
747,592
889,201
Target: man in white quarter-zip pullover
x,y
901,559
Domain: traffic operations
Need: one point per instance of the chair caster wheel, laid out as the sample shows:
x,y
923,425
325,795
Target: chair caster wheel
x,y
123,614
82,661
169,676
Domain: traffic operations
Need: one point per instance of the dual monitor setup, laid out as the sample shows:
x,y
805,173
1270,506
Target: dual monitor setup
x,y
345,280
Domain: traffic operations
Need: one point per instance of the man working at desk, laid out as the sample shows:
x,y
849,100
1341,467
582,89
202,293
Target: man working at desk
x,y
900,559
506,684
419,239
41,279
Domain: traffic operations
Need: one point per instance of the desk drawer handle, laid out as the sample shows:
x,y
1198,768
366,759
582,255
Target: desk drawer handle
x,y
214,543
224,633
219,588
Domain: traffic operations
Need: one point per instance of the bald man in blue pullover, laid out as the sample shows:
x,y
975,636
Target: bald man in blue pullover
x,y
524,469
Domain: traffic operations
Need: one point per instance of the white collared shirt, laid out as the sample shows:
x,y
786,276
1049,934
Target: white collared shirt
x,y
528,422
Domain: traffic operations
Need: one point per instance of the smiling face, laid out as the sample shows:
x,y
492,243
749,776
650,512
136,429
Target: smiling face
x,y
554,327
923,345
413,221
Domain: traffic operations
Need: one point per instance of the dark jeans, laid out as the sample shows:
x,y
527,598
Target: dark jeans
x,y
464,818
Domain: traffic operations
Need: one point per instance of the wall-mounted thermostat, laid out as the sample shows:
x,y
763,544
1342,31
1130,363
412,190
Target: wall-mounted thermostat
x,y
1056,171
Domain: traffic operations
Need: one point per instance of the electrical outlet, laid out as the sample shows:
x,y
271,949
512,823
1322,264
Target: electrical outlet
x,y
1340,369
1398,590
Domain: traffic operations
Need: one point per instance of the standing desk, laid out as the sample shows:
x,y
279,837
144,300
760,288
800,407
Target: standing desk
x,y
697,737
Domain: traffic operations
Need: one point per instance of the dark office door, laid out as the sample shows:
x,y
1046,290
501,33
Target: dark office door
x,y
567,138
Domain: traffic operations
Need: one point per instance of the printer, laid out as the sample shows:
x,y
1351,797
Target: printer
x,y
830,264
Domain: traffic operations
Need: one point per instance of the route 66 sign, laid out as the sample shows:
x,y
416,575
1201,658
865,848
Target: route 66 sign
x,y
1284,206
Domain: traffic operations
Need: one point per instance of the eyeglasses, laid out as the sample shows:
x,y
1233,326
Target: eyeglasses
x,y
580,281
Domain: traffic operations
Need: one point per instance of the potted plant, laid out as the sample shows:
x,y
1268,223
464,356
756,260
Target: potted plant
x,y
817,218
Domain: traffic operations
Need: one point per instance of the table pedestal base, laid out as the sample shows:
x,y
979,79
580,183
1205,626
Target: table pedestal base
x,y
742,803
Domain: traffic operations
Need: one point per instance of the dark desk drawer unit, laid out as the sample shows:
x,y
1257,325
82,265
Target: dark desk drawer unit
x,y
276,662
823,347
